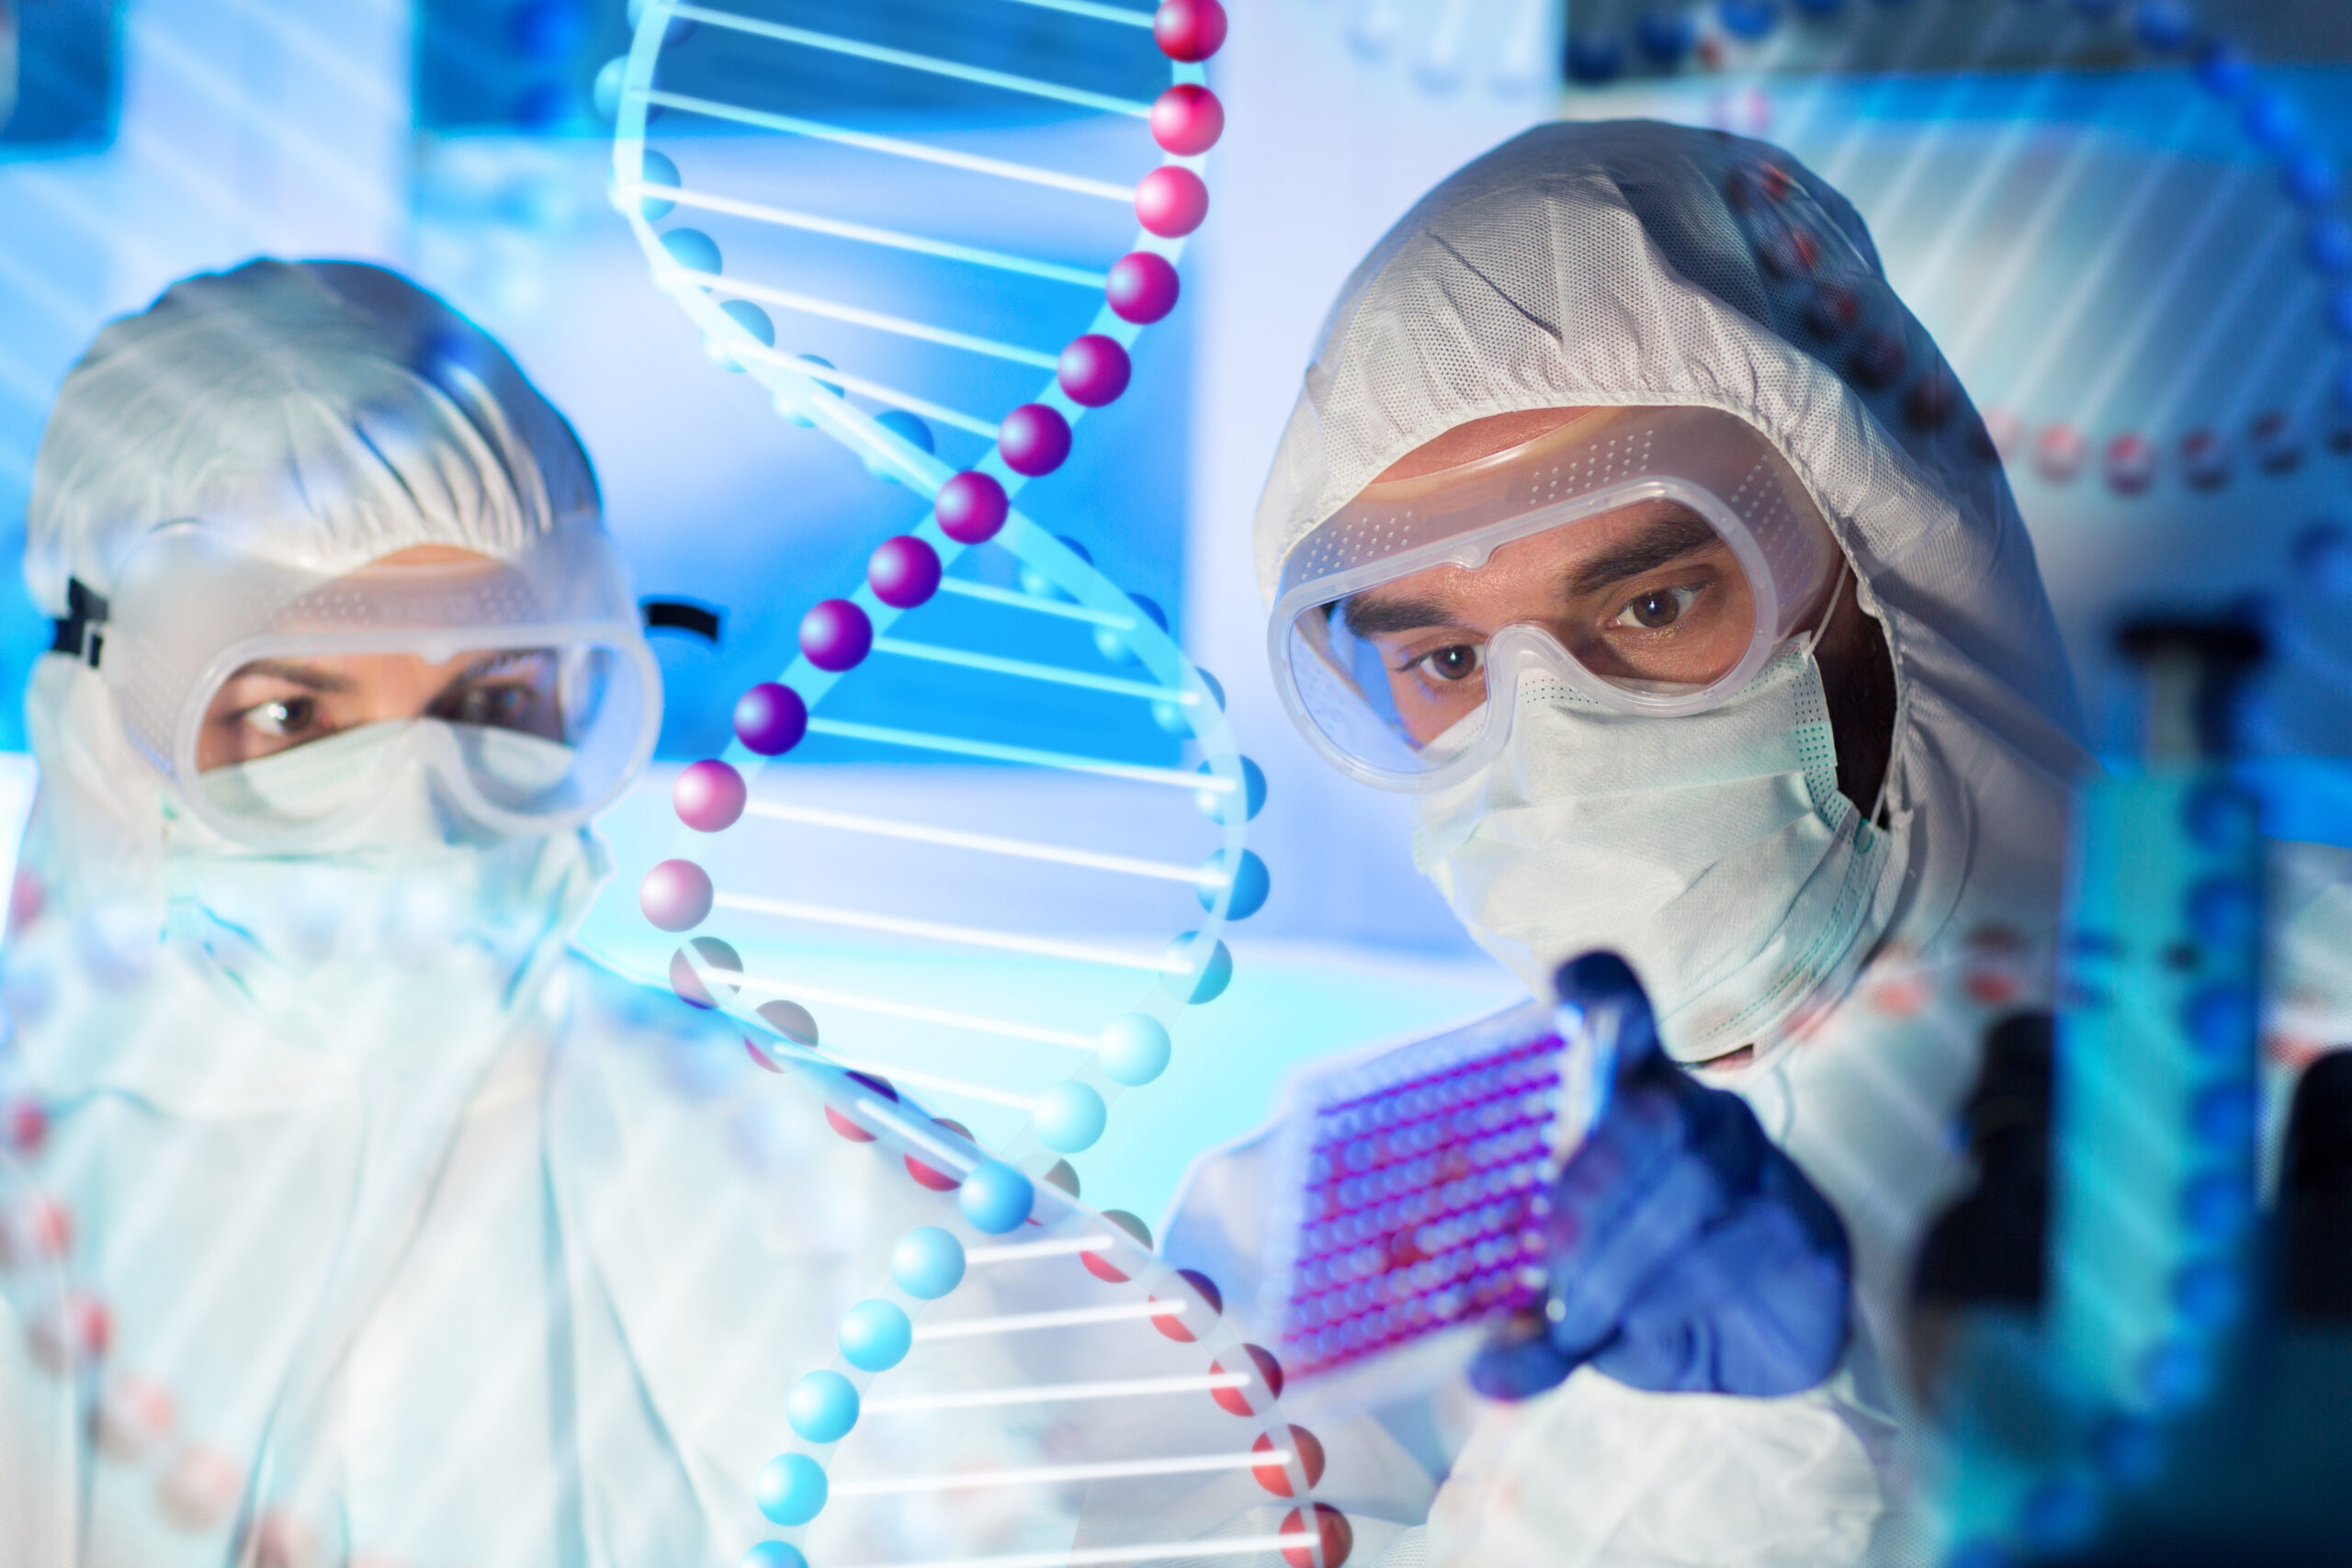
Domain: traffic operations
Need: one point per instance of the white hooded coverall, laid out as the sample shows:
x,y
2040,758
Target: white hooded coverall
x,y
1642,263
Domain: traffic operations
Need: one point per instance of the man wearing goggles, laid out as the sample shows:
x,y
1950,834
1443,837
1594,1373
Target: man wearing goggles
x,y
1596,545
1631,525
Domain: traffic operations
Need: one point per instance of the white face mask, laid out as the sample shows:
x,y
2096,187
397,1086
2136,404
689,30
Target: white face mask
x,y
1712,849
415,919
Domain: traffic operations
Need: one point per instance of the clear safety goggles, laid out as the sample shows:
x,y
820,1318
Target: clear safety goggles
x,y
1653,559
536,696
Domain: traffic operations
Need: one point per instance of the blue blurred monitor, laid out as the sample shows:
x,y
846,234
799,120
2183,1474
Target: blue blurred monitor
x,y
59,76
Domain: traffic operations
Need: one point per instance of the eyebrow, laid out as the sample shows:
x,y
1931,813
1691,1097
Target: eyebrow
x,y
1379,615
1669,539
295,674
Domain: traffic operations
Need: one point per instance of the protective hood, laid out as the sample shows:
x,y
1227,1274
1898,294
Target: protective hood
x,y
1632,263
316,415
320,414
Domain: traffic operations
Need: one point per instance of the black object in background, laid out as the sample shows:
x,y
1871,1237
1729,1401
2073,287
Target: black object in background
x,y
2315,1194
68,76
689,617
1992,1247
2194,672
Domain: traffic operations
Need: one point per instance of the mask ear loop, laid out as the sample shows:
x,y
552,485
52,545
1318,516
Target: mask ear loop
x,y
1829,605
1876,816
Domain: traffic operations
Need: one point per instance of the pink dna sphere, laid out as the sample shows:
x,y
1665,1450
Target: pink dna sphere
x,y
930,1175
971,507
836,635
1189,30
1035,440
1171,202
2059,453
1187,120
2206,458
903,571
1273,1475
1235,1401
1143,287
24,1126
675,895
1094,370
2005,430
708,796
1337,1537
1172,1326
2130,464
136,1416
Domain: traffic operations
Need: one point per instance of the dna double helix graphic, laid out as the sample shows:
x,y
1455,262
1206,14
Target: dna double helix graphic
x,y
1088,658
1038,1351
949,939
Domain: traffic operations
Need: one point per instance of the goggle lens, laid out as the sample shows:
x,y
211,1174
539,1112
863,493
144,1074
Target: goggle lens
x,y
521,738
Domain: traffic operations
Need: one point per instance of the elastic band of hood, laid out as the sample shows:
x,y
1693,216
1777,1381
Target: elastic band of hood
x,y
322,414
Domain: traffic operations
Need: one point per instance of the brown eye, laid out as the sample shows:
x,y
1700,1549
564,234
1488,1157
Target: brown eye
x,y
1657,611
1458,662
288,716
499,706
512,691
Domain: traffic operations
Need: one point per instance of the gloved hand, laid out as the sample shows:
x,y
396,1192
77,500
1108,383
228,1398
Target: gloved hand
x,y
1687,1253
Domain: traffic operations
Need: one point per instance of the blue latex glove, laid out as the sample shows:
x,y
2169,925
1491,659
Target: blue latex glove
x,y
1687,1253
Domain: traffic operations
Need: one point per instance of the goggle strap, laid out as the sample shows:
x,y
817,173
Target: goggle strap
x,y
77,633
703,621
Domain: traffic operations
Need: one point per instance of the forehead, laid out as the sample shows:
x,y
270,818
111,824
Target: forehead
x,y
1479,438
1548,562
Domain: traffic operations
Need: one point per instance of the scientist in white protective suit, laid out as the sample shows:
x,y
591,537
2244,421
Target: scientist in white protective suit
x,y
349,1217
1630,522
349,1155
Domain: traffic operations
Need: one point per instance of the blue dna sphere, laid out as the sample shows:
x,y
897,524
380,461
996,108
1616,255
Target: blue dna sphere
x,y
1217,805
791,1489
1070,1117
1134,1049
996,1198
876,1336
927,1263
774,1554
822,1407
